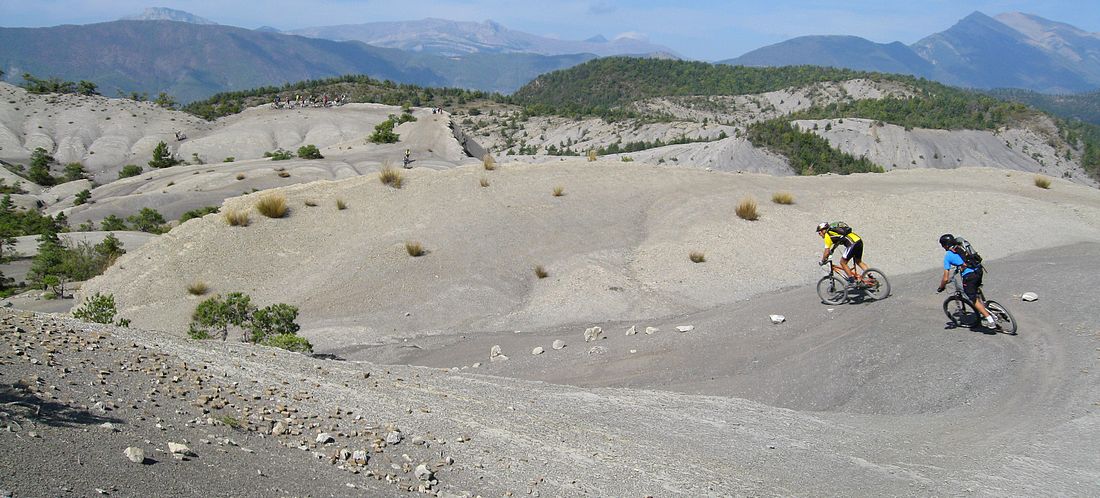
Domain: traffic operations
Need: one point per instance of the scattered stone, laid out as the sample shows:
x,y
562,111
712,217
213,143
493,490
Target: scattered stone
x,y
135,454
1030,296
359,457
180,449
777,319
423,473
537,351
495,354
476,365
632,330
651,330
632,351
279,429
558,344
324,438
593,334
597,350
394,437
685,328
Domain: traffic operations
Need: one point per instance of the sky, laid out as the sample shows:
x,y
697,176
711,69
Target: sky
x,y
703,29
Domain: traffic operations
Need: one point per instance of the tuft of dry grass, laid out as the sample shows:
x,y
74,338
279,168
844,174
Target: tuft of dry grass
x,y
197,288
559,191
484,182
541,272
284,174
240,176
310,203
415,249
391,176
697,257
783,198
591,155
272,205
237,218
1042,181
488,162
746,209
341,205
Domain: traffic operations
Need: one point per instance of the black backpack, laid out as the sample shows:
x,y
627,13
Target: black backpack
x,y
970,257
840,227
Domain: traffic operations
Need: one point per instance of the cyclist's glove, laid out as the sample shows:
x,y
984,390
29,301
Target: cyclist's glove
x,y
822,262
939,289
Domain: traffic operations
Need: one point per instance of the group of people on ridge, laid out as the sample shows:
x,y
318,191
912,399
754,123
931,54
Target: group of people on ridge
x,y
839,234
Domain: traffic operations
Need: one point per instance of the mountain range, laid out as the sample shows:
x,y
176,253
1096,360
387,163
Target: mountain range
x,y
453,38
1011,50
192,58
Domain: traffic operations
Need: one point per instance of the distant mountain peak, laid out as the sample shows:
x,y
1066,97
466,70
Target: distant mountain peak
x,y
166,14
596,39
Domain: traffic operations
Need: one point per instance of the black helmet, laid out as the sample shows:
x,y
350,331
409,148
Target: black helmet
x,y
947,240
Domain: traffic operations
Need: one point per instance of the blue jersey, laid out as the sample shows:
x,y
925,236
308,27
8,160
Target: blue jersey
x,y
950,258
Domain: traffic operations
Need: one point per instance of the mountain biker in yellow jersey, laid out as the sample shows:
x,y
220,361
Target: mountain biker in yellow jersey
x,y
839,234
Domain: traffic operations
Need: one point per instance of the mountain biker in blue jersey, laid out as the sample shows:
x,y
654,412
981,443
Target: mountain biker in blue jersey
x,y
971,276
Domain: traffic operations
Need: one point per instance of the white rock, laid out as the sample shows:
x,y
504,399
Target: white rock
x,y
1030,296
135,454
685,328
651,330
359,456
496,354
558,344
632,351
423,473
324,438
476,365
279,429
777,319
632,330
537,350
593,334
180,449
394,437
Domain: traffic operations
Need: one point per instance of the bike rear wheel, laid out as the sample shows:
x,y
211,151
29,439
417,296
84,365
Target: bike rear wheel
x,y
832,290
875,284
960,312
1005,320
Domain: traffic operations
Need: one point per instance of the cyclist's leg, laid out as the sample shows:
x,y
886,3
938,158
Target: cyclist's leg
x,y
845,257
971,282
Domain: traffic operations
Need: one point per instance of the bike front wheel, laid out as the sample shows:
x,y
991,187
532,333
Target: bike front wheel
x,y
960,312
1005,320
876,285
832,290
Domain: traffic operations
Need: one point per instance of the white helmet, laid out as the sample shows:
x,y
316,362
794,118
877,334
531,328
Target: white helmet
x,y
822,226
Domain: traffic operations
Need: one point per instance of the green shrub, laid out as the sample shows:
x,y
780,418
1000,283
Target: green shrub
x,y
198,213
148,220
1042,182
215,316
82,197
97,308
697,257
383,133
162,158
75,171
277,319
229,159
289,342
129,170
112,223
309,152
279,155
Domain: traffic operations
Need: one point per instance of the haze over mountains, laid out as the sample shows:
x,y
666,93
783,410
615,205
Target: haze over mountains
x,y
191,58
1011,50
452,38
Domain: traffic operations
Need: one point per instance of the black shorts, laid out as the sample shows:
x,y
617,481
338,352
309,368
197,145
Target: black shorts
x,y
854,251
971,282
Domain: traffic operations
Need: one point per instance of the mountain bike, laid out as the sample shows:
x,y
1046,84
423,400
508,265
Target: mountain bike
x,y
961,312
834,288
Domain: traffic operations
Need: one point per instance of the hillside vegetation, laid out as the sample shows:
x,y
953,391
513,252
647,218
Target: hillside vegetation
x,y
358,88
605,88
